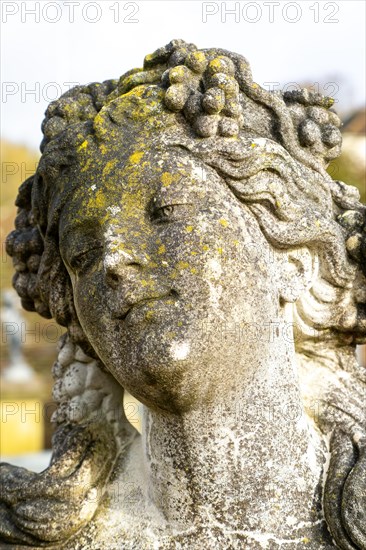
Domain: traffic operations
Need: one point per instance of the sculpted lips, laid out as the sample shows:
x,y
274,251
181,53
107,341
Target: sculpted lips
x,y
123,312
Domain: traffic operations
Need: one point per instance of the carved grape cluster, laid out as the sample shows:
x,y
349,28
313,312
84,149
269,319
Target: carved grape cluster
x,y
207,92
352,218
355,223
25,245
80,104
84,392
317,126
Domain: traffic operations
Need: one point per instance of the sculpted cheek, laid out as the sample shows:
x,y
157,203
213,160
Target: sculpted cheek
x,y
89,300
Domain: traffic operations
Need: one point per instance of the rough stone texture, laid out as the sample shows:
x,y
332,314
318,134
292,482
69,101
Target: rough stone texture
x,y
182,226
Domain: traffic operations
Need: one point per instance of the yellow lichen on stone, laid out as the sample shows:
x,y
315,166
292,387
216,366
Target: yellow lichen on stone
x,y
178,72
109,166
223,222
166,179
216,63
161,249
182,265
83,146
97,201
86,166
136,157
199,56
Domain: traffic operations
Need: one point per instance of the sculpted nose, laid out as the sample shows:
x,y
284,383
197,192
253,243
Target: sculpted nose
x,y
121,265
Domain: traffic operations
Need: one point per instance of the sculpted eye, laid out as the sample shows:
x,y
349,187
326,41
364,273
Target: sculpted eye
x,y
164,213
169,212
83,260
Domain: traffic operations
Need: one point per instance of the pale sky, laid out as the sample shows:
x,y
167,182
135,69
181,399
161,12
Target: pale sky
x,y
318,42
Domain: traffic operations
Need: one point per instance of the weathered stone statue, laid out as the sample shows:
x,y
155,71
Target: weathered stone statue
x,y
182,226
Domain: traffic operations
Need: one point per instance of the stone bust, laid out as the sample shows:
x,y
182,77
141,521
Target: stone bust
x,y
183,228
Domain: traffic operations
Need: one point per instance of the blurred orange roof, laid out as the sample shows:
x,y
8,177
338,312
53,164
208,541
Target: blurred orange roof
x,y
356,123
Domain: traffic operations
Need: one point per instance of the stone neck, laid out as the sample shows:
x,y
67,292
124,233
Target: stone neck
x,y
249,461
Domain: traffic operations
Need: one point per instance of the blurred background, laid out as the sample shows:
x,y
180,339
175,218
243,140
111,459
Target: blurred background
x,y
48,47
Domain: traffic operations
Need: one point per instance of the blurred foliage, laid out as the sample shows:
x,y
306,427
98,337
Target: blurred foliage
x,y
346,169
17,163
39,335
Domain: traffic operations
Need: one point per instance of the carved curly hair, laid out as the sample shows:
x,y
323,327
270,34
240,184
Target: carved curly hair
x,y
215,100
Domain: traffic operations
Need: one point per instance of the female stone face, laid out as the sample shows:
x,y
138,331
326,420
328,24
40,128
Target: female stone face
x,y
170,273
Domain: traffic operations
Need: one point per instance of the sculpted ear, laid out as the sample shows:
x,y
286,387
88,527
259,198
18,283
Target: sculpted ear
x,y
298,272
